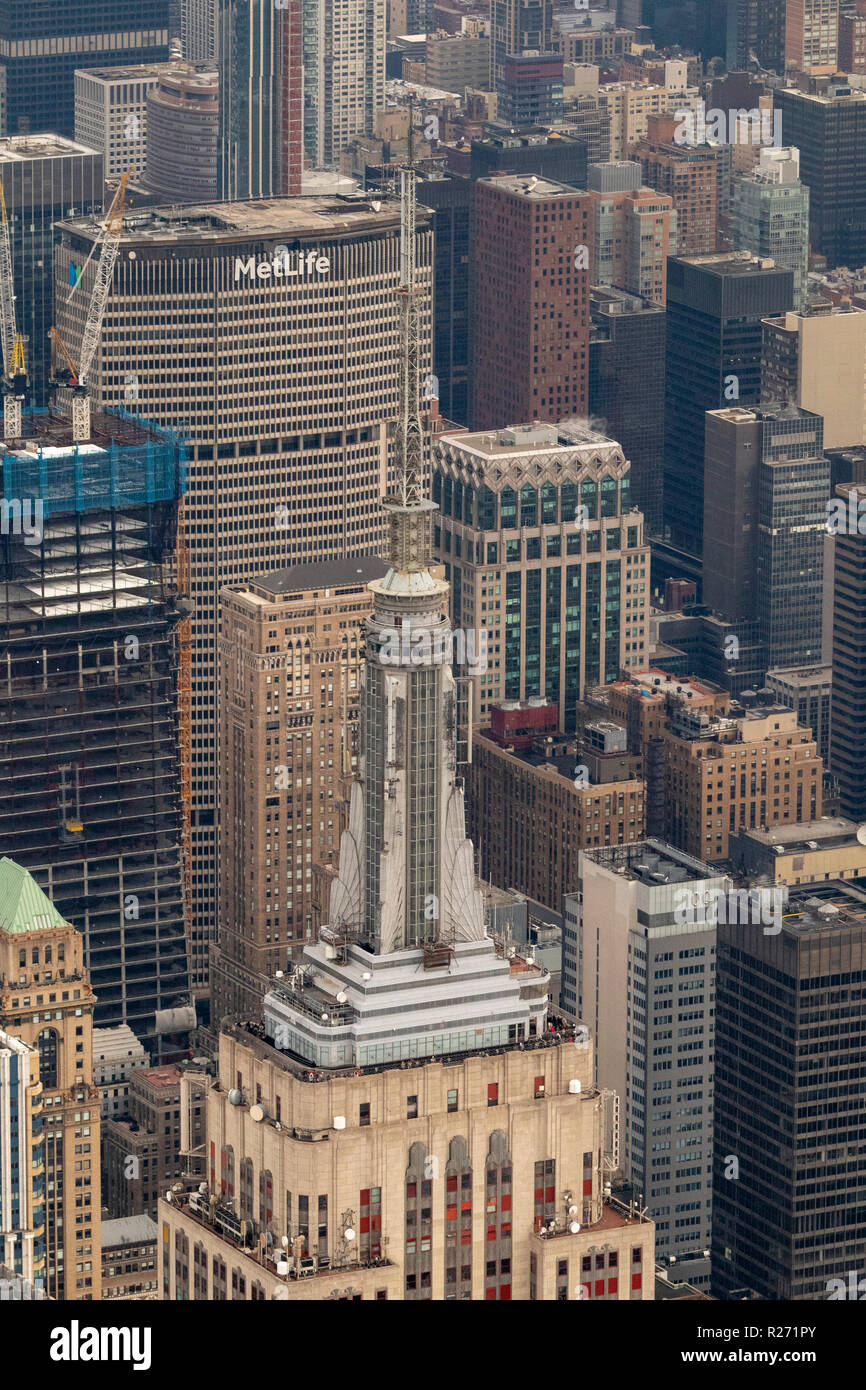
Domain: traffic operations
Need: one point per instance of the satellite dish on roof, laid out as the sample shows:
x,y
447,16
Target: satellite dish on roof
x,y
861,834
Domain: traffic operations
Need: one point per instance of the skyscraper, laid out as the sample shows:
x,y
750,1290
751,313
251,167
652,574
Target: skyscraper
x,y
547,559
691,175
847,719
771,214
793,485
639,956
198,30
46,1003
766,482
715,305
789,1167
756,27
44,176
22,1195
633,230
626,389
815,359
90,762
530,331
343,59
261,99
811,35
42,45
518,26
829,130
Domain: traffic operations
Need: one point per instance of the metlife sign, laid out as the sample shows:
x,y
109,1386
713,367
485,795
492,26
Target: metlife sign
x,y
285,264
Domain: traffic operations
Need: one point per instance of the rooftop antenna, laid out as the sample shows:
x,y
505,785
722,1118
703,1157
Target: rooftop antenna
x,y
407,507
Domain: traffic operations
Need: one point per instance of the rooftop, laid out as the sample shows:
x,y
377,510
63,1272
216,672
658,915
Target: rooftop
x,y
128,1230
728,262
159,1077
328,574
19,148
829,832
313,217
132,72
656,682
532,186
819,907
23,905
536,438
652,862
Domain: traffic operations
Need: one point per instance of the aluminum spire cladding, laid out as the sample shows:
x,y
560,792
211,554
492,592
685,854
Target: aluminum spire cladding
x,y
407,507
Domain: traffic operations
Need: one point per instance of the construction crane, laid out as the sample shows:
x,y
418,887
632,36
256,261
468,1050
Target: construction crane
x,y
14,362
108,242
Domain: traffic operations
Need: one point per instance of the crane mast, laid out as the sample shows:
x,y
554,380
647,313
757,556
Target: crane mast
x,y
109,241
14,364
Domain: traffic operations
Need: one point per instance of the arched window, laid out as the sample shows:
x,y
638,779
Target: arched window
x,y
486,509
49,1051
508,508
497,1246
419,1224
608,496
245,1209
266,1197
548,503
227,1172
458,1221
528,506
568,501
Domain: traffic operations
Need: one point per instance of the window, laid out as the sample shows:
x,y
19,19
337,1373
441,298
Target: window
x,y
452,1102
364,1114
411,1107
493,1093
539,1087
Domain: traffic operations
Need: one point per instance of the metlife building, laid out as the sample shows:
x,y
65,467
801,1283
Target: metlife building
x,y
268,332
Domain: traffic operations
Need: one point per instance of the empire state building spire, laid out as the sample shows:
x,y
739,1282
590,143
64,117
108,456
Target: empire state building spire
x,y
409,510
406,876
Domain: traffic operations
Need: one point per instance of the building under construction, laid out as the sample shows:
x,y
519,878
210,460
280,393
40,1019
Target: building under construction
x,y
92,769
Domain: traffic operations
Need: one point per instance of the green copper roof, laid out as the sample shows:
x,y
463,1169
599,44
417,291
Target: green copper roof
x,y
23,905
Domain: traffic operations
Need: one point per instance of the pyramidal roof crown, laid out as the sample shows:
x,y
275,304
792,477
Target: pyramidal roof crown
x,y
23,905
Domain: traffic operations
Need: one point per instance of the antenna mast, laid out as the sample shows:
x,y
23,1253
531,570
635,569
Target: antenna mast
x,y
409,510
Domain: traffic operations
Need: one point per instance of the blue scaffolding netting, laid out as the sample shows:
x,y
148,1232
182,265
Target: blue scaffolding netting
x,y
88,477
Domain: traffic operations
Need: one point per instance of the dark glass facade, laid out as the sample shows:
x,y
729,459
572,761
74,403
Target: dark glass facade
x,y
626,389
789,1186
715,305
830,133
41,182
793,487
450,199
848,702
42,43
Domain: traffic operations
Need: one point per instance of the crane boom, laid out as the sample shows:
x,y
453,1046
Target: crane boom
x,y
112,230
8,330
